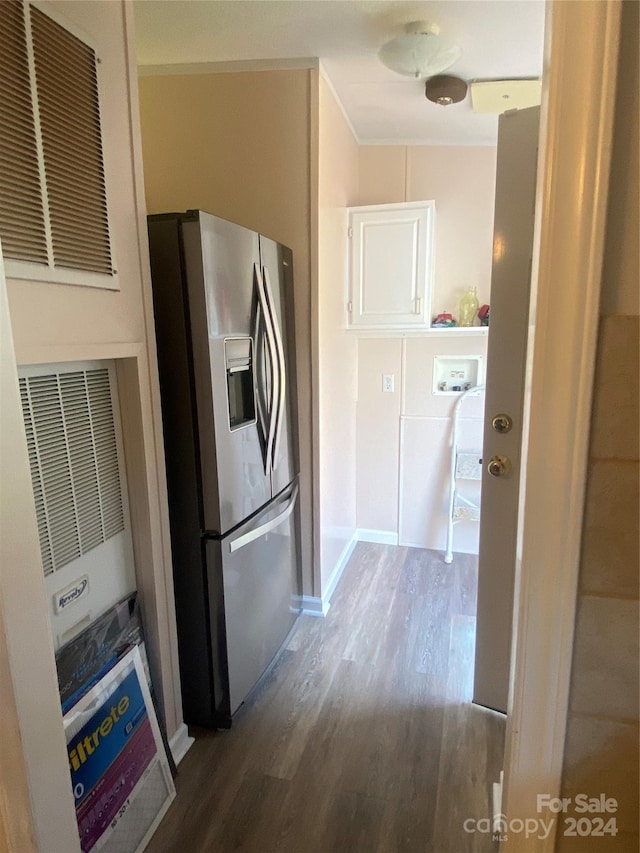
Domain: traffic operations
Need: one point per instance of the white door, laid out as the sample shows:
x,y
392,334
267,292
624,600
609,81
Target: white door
x,y
506,354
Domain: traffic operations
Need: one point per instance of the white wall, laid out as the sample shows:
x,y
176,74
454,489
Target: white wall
x,y
425,444
461,180
337,364
57,323
404,440
404,437
378,435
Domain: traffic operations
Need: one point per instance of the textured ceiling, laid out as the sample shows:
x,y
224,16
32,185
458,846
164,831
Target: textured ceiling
x,y
499,39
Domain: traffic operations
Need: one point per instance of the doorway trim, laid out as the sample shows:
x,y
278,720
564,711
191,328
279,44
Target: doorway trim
x,y
581,47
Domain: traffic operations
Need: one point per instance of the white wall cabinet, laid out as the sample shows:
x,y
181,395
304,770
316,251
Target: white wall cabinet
x,y
391,265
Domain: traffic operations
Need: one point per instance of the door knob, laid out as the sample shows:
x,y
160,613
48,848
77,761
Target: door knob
x,y
499,466
501,423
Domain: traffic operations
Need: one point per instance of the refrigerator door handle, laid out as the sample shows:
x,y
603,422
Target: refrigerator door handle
x,y
281,366
275,366
263,383
263,529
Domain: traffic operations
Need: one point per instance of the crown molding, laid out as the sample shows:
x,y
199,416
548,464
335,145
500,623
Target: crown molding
x,y
431,143
234,66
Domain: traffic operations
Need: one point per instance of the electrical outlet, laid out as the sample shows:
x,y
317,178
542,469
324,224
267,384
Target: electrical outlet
x,y
388,380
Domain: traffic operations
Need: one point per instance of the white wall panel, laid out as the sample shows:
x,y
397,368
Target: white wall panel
x,y
418,376
424,484
378,434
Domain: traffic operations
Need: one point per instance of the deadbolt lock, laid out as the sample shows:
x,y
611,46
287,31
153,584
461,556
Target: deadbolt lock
x,y
502,423
499,466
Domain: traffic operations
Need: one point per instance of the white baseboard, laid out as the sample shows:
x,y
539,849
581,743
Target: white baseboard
x,y
314,606
338,569
382,537
180,743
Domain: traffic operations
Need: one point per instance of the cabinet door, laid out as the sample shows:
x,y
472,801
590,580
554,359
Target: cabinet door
x,y
391,265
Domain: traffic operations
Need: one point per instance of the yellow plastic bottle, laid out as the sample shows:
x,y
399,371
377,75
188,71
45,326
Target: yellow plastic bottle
x,y
469,308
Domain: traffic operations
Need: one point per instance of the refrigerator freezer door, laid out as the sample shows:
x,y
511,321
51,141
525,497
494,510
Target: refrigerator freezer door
x,y
277,270
220,262
259,571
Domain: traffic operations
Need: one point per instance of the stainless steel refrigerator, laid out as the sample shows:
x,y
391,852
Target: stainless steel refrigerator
x,y
223,306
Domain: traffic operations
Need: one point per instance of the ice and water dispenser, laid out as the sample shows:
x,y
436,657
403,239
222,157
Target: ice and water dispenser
x,y
238,356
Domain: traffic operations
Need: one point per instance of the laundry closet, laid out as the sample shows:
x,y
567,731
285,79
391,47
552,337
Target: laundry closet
x,y
424,226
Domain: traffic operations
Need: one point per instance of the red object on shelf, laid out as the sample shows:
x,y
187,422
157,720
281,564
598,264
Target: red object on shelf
x,y
444,319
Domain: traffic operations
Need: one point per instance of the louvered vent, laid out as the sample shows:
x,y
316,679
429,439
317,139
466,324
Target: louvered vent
x,y
53,207
74,462
70,122
22,225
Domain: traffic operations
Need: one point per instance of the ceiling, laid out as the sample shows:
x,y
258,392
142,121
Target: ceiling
x,y
500,39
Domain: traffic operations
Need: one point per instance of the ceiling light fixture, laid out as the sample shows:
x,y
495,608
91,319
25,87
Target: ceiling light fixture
x,y
420,52
445,90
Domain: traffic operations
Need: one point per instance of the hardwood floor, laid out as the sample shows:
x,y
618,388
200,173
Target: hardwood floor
x,y
363,737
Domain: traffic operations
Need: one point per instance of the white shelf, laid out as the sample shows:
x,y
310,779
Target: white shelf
x,y
454,332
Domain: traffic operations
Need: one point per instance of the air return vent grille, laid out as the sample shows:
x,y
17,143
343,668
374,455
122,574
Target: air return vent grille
x,y
74,462
22,225
53,202
70,122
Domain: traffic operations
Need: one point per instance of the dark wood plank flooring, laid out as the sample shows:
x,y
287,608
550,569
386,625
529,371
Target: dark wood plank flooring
x,y
363,737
